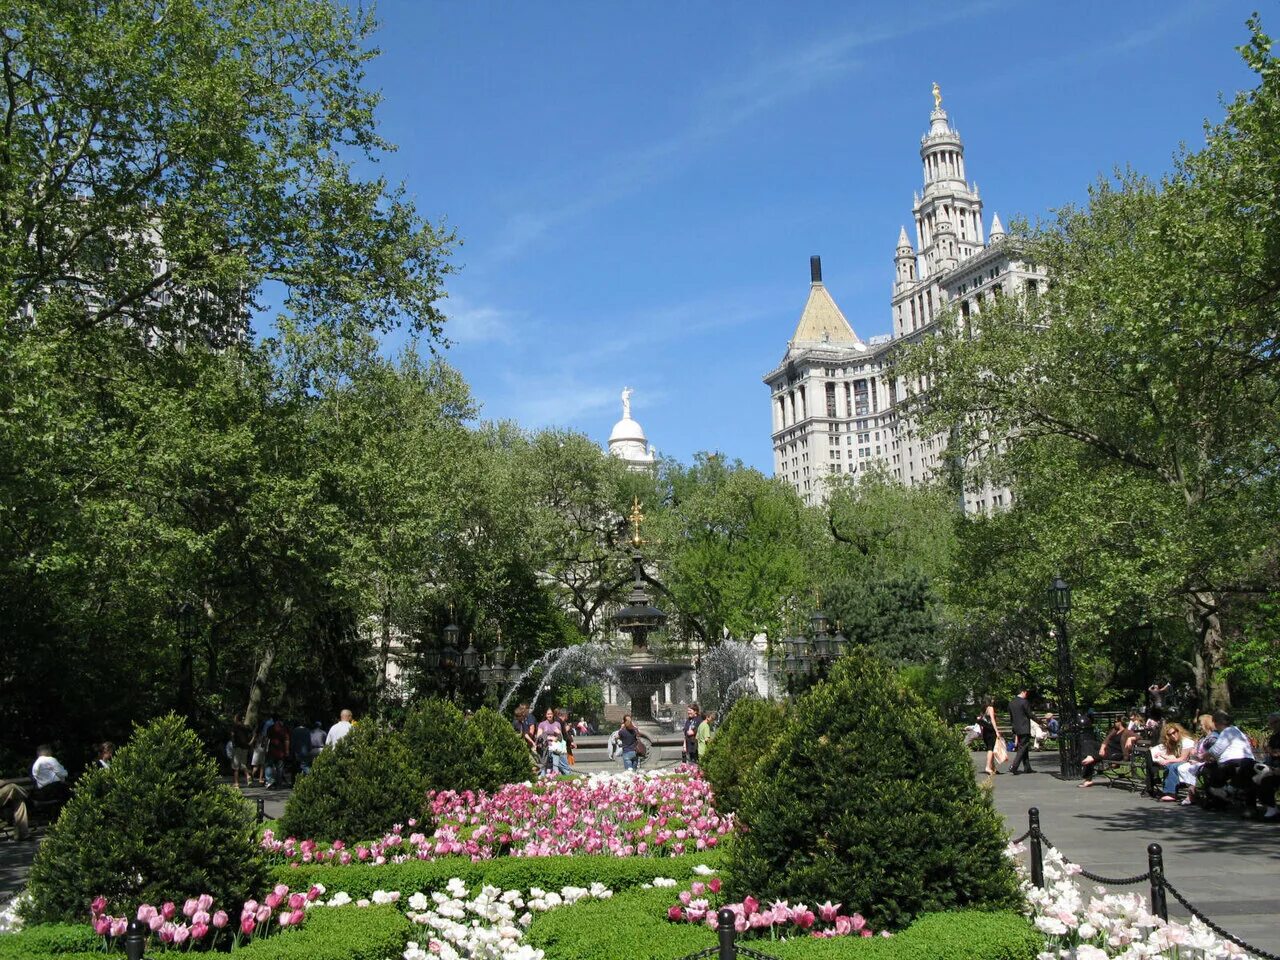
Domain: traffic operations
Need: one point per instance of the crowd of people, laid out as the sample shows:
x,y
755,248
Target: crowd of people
x,y
275,753
1220,765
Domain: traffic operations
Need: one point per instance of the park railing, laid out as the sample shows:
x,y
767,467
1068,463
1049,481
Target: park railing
x,y
1154,876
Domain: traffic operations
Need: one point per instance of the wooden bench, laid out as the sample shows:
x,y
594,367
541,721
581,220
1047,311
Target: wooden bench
x,y
1136,773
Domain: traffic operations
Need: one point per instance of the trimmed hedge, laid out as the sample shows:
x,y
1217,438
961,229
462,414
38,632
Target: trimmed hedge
x,y
628,926
510,873
329,933
340,933
51,939
634,925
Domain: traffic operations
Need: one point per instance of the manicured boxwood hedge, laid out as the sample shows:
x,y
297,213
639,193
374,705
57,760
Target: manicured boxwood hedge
x,y
340,933
50,939
510,873
634,925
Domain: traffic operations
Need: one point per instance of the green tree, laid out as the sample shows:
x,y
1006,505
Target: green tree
x,y
1134,403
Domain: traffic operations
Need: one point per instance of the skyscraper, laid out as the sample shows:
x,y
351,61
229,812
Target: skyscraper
x,y
837,406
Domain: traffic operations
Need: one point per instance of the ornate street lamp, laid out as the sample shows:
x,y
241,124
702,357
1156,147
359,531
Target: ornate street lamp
x,y
1059,597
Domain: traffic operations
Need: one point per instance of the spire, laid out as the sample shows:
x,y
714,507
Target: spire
x,y
997,229
903,242
821,321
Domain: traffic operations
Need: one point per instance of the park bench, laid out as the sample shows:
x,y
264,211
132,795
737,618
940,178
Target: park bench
x,y
1137,773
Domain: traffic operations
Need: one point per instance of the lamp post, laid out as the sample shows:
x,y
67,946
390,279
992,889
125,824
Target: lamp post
x,y
800,661
188,624
1069,735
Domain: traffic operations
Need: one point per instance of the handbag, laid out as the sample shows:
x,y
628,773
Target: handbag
x,y
1001,751
641,749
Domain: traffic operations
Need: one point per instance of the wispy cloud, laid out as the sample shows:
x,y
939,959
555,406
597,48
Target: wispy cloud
x,y
724,106
471,323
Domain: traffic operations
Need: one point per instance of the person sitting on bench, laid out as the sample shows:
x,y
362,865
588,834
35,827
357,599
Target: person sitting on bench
x,y
1112,749
1230,761
50,777
1175,748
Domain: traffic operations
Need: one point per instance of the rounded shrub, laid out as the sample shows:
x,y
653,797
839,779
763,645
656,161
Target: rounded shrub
x,y
442,750
156,826
357,788
745,736
867,799
501,756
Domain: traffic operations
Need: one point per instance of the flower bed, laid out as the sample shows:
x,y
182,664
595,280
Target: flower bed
x,y
622,815
1108,925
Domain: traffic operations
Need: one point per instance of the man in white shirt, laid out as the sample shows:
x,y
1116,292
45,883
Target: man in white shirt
x,y
339,729
1230,761
50,776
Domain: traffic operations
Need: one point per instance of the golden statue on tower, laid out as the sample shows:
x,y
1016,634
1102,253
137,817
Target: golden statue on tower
x,y
937,96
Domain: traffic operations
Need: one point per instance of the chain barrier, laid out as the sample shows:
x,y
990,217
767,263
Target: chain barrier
x,y
1154,875
1214,927
1021,838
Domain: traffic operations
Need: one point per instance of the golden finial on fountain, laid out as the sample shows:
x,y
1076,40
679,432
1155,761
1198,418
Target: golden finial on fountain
x,y
636,518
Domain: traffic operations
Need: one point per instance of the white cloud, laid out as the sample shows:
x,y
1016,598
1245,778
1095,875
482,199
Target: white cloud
x,y
471,323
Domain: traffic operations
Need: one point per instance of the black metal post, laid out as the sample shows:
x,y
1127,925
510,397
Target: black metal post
x,y
262,809
1037,854
1155,863
724,927
135,939
1069,723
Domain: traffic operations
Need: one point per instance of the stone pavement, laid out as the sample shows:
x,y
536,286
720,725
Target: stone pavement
x,y
1228,866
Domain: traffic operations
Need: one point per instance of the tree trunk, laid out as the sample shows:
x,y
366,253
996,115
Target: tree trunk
x,y
260,678
384,654
1210,649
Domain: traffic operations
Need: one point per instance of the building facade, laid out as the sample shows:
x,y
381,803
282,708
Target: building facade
x,y
837,406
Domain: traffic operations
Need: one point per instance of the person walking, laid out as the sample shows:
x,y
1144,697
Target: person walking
x,y
706,730
628,742
691,722
524,725
300,750
241,744
1020,723
339,729
990,729
277,753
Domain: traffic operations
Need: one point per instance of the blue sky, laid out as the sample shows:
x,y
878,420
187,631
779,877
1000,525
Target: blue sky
x,y
639,186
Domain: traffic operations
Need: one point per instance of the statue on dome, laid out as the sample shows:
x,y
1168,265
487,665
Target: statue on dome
x,y
937,96
626,402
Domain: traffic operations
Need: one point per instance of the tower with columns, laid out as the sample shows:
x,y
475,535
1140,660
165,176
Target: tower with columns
x,y
836,402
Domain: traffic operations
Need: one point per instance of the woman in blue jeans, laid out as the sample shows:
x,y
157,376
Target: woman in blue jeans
x,y
1175,749
627,737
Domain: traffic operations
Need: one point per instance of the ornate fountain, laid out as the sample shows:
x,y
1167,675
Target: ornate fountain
x,y
640,674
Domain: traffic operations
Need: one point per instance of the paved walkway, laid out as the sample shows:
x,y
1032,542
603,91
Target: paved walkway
x,y
1228,866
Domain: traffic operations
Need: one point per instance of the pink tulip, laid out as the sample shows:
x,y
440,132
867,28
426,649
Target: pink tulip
x,y
296,900
99,904
281,890
119,926
168,910
859,921
273,900
283,919
844,926
181,934
714,884
246,925
675,913
156,922
698,888
250,906
198,931
866,932
220,919
803,918
313,893
102,926
204,902
829,911
685,897
750,904
295,918
190,907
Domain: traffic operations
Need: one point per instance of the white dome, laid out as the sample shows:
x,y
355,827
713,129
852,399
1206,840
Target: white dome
x,y
627,429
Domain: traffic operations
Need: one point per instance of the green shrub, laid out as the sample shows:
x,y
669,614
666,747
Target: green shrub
x,y
501,757
356,789
441,745
339,933
510,873
634,924
869,800
745,736
50,939
155,826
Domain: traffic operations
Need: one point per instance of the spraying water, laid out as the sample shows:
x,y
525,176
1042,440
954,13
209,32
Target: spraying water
x,y
546,659
727,672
